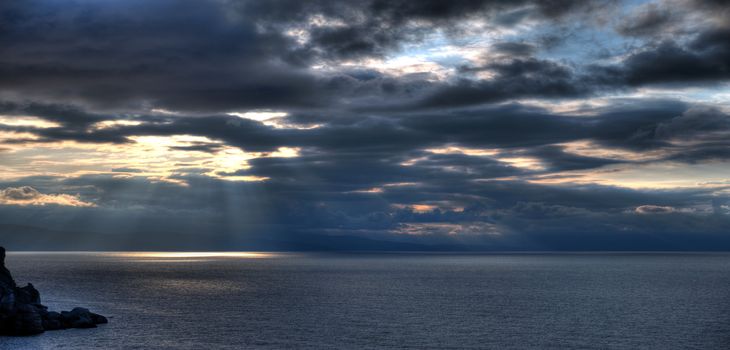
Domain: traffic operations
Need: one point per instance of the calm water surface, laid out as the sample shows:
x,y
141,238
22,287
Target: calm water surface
x,y
384,301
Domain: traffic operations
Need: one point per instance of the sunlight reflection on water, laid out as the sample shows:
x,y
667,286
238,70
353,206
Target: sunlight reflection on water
x,y
189,256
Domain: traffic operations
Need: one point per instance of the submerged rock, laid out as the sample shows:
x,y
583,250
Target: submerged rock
x,y
21,311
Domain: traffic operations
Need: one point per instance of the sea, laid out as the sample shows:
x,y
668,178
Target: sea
x,y
204,300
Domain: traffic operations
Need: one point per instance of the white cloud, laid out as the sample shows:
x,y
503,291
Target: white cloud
x,y
26,195
654,209
449,229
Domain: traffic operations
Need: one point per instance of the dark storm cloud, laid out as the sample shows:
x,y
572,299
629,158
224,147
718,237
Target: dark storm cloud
x,y
712,5
492,126
384,25
514,48
628,124
74,122
670,63
223,56
686,134
220,56
487,127
559,160
634,126
67,115
207,147
517,78
364,169
649,21
498,126
705,59
584,216
706,123
169,53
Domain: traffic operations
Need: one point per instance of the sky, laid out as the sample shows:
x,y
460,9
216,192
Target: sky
x,y
365,125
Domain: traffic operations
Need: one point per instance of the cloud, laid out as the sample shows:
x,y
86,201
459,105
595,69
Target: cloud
x,y
710,123
464,213
703,60
662,127
448,229
654,209
247,55
649,20
27,195
471,123
517,78
514,48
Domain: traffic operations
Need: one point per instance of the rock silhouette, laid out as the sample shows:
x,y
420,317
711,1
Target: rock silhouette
x,y
21,311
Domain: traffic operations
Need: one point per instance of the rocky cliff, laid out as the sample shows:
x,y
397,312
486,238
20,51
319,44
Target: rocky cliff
x,y
21,311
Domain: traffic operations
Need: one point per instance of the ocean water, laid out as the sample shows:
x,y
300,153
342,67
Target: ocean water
x,y
384,301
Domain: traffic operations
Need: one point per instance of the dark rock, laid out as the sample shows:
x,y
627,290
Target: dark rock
x,y
83,322
98,319
52,325
27,295
78,318
27,320
6,279
52,321
21,311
